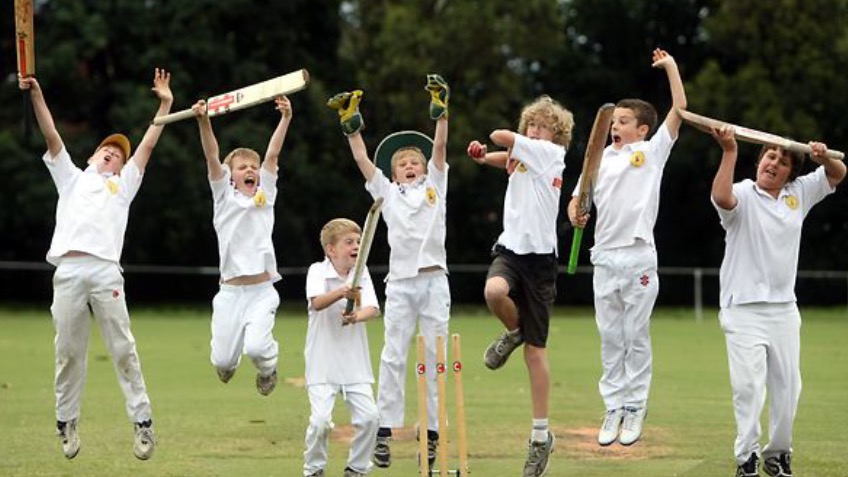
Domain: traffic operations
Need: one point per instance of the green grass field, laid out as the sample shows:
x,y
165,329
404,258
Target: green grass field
x,y
205,428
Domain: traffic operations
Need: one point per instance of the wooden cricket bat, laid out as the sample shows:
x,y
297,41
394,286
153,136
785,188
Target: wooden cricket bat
x,y
591,164
752,135
25,48
244,97
365,247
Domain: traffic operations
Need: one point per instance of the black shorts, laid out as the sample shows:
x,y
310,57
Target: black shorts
x,y
532,286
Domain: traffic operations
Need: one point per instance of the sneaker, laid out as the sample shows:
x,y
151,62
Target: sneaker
x,y
537,457
144,442
778,466
67,431
317,473
225,374
432,445
498,352
611,426
631,426
352,473
382,454
749,468
266,384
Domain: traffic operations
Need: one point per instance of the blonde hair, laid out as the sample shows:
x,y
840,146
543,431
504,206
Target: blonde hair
x,y
547,110
406,151
244,152
333,230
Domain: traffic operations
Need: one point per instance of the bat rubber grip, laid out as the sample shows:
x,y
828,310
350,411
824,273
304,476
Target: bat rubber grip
x,y
349,307
575,250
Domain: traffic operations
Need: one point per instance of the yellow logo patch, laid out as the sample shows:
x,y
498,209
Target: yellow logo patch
x,y
791,201
259,200
431,195
637,159
521,167
112,186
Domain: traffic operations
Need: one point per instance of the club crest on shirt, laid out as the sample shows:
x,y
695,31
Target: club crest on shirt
x,y
112,186
431,195
791,201
513,165
644,280
637,159
259,199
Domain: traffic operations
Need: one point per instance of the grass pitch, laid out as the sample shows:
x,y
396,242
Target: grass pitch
x,y
205,428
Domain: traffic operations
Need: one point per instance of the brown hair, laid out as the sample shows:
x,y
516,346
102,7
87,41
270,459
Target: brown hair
x,y
547,110
332,231
644,111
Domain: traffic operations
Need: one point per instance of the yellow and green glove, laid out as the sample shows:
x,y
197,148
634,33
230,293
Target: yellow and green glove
x,y
347,105
439,96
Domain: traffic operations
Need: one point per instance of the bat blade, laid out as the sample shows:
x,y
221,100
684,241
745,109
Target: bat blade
x,y
25,37
754,136
245,97
591,164
365,246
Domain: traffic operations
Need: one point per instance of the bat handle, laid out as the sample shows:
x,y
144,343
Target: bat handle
x,y
575,250
349,307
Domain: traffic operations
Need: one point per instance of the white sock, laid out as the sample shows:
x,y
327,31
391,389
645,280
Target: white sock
x,y
540,430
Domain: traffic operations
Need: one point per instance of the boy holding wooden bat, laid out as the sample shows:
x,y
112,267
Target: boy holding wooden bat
x,y
417,291
521,283
244,193
625,281
759,315
338,360
91,219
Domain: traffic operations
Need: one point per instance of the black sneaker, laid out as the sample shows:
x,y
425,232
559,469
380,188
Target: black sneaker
x,y
537,457
749,468
432,445
778,466
382,454
498,352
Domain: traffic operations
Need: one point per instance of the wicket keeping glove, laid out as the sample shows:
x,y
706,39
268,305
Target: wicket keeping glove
x,y
439,96
347,105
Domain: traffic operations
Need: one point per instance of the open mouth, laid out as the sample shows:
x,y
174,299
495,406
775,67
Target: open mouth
x,y
616,139
250,181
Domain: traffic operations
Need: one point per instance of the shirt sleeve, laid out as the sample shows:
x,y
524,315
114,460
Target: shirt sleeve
x,y
131,177
222,185
61,168
438,178
379,185
538,155
813,187
368,295
727,217
268,183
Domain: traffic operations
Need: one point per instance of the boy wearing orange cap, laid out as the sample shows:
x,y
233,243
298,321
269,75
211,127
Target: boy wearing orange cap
x,y
91,218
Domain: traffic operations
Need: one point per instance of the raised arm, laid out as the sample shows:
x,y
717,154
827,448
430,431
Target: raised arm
x,y
833,169
275,145
42,114
722,190
439,99
207,139
661,59
162,89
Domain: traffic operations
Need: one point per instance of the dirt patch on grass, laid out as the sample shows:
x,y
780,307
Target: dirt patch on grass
x,y
582,443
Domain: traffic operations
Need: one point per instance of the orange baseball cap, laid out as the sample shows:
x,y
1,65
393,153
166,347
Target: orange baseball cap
x,y
119,140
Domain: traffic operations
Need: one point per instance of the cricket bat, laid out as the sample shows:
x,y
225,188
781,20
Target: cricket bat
x,y
244,97
752,135
25,48
591,164
364,247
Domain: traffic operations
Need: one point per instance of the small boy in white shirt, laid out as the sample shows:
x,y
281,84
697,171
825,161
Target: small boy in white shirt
x,y
338,360
625,282
244,193
91,219
417,291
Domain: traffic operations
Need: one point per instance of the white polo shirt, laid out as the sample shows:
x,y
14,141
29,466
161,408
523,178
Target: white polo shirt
x,y
627,191
531,202
336,354
415,218
763,239
244,226
92,211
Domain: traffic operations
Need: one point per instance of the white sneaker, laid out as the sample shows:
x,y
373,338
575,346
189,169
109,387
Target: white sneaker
x,y
266,384
631,428
67,431
611,426
144,443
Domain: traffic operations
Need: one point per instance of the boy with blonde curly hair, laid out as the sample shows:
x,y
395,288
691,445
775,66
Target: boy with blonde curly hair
x,y
521,283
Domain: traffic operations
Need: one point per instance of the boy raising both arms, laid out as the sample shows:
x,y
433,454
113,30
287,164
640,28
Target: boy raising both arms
x,y
521,283
625,282
91,219
244,193
337,355
417,285
759,314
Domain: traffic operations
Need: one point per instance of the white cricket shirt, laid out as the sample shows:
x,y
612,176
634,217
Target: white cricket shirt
x,y
627,191
531,202
336,354
92,212
244,226
415,218
763,239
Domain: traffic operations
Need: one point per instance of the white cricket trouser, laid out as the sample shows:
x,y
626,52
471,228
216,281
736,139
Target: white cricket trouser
x,y
626,285
80,283
243,322
763,350
424,299
363,417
